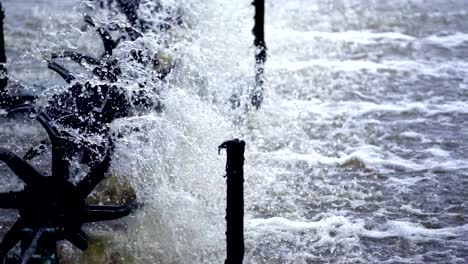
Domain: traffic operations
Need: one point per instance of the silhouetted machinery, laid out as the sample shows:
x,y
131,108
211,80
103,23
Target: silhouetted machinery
x,y
50,207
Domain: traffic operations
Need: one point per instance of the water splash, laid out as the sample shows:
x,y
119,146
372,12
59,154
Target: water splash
x,y
357,155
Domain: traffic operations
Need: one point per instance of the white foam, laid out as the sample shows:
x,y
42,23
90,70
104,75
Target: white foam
x,y
361,108
372,157
438,152
414,135
449,41
361,37
346,228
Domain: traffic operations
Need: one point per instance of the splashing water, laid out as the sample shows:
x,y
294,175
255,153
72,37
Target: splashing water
x,y
357,156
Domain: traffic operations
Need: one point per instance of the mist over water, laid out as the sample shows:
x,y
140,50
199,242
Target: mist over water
x,y
358,154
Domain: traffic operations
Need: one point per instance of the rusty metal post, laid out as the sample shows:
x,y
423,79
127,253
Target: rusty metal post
x,y
235,200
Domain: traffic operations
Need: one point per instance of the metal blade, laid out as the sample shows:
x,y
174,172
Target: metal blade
x,y
79,239
23,108
21,168
60,164
11,238
36,150
32,246
46,123
96,213
97,174
107,41
64,73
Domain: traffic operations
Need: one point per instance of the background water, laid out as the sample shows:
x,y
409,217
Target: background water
x,y
358,154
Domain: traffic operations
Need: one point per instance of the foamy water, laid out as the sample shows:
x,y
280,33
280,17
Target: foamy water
x,y
358,154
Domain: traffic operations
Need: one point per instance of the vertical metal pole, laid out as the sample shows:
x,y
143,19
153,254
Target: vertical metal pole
x,y
3,71
2,40
258,31
235,200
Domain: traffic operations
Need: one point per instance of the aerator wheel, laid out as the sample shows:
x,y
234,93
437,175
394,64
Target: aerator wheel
x,y
52,202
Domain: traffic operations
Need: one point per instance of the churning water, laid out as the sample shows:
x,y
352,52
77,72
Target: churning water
x,y
358,155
